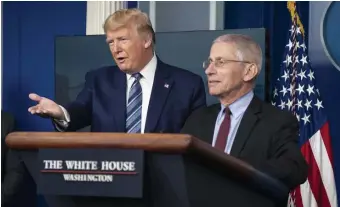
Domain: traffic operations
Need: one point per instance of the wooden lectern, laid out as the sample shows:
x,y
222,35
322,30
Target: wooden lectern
x,y
179,171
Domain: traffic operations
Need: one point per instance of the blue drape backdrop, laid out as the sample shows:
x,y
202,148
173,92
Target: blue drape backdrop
x,y
29,29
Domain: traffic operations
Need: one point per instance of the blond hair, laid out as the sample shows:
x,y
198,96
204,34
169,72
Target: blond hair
x,y
128,17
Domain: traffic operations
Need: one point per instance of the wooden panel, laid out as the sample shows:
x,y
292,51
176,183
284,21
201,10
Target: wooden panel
x,y
149,142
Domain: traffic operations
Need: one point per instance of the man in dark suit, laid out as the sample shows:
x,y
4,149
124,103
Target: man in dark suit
x,y
241,124
142,94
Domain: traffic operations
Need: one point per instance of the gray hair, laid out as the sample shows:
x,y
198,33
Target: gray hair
x,y
246,48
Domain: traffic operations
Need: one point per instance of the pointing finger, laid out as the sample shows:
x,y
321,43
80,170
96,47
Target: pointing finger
x,y
34,97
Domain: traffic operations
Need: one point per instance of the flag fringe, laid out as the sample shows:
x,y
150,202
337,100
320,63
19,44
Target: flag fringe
x,y
291,5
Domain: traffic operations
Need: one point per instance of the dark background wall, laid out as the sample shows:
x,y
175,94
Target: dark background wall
x,y
29,30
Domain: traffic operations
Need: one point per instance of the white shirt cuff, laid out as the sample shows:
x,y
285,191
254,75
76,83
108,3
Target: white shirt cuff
x,y
61,125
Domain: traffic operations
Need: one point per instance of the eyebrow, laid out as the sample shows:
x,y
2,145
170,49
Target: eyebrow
x,y
217,58
118,38
108,40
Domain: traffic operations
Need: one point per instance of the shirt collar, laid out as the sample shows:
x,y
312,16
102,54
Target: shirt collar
x,y
148,72
240,105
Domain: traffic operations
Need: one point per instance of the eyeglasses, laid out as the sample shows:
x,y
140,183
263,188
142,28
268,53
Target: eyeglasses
x,y
220,63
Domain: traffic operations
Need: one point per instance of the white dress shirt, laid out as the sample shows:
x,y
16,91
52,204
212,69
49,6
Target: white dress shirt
x,y
148,74
146,82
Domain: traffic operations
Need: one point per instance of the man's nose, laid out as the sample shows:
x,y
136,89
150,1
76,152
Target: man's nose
x,y
116,48
210,69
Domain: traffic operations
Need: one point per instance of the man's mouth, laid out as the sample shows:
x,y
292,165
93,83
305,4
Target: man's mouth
x,y
121,59
213,82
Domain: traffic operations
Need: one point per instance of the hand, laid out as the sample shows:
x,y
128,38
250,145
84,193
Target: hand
x,y
45,108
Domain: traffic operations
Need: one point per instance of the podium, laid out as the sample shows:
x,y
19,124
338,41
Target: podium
x,y
175,170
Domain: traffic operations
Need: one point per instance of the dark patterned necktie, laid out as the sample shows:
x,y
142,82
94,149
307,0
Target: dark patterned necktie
x,y
223,132
134,106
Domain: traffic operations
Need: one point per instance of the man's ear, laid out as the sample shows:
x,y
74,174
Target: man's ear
x,y
148,41
250,72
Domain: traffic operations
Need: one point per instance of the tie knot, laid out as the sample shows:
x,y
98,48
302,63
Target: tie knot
x,y
137,76
227,111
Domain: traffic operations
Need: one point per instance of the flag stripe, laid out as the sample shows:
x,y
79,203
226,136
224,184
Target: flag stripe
x,y
314,178
325,167
298,198
327,140
307,197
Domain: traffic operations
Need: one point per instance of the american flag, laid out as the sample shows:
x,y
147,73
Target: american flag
x,y
296,91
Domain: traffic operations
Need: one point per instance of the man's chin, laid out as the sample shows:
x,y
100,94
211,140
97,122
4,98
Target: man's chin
x,y
124,69
213,93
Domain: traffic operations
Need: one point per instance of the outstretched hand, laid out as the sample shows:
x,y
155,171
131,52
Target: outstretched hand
x,y
45,107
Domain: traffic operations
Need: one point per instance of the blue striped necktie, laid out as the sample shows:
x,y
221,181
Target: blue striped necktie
x,y
134,106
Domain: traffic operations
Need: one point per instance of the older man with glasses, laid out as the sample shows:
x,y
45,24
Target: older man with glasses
x,y
241,124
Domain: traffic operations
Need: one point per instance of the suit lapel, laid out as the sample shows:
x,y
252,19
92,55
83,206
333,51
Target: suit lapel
x,y
247,125
118,97
209,123
160,91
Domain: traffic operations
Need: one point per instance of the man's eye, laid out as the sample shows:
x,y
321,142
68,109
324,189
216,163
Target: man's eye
x,y
122,39
219,62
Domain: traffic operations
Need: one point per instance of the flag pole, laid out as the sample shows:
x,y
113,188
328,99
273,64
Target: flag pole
x,y
291,5
296,23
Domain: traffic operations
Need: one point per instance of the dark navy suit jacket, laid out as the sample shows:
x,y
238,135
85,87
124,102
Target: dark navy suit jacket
x,y
176,93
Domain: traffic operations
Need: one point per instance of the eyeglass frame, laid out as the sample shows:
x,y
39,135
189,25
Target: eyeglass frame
x,y
225,61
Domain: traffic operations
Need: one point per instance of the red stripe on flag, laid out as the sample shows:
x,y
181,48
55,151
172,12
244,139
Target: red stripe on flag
x,y
297,197
327,140
314,177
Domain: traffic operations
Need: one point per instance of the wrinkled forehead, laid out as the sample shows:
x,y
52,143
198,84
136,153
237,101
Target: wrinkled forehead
x,y
223,50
